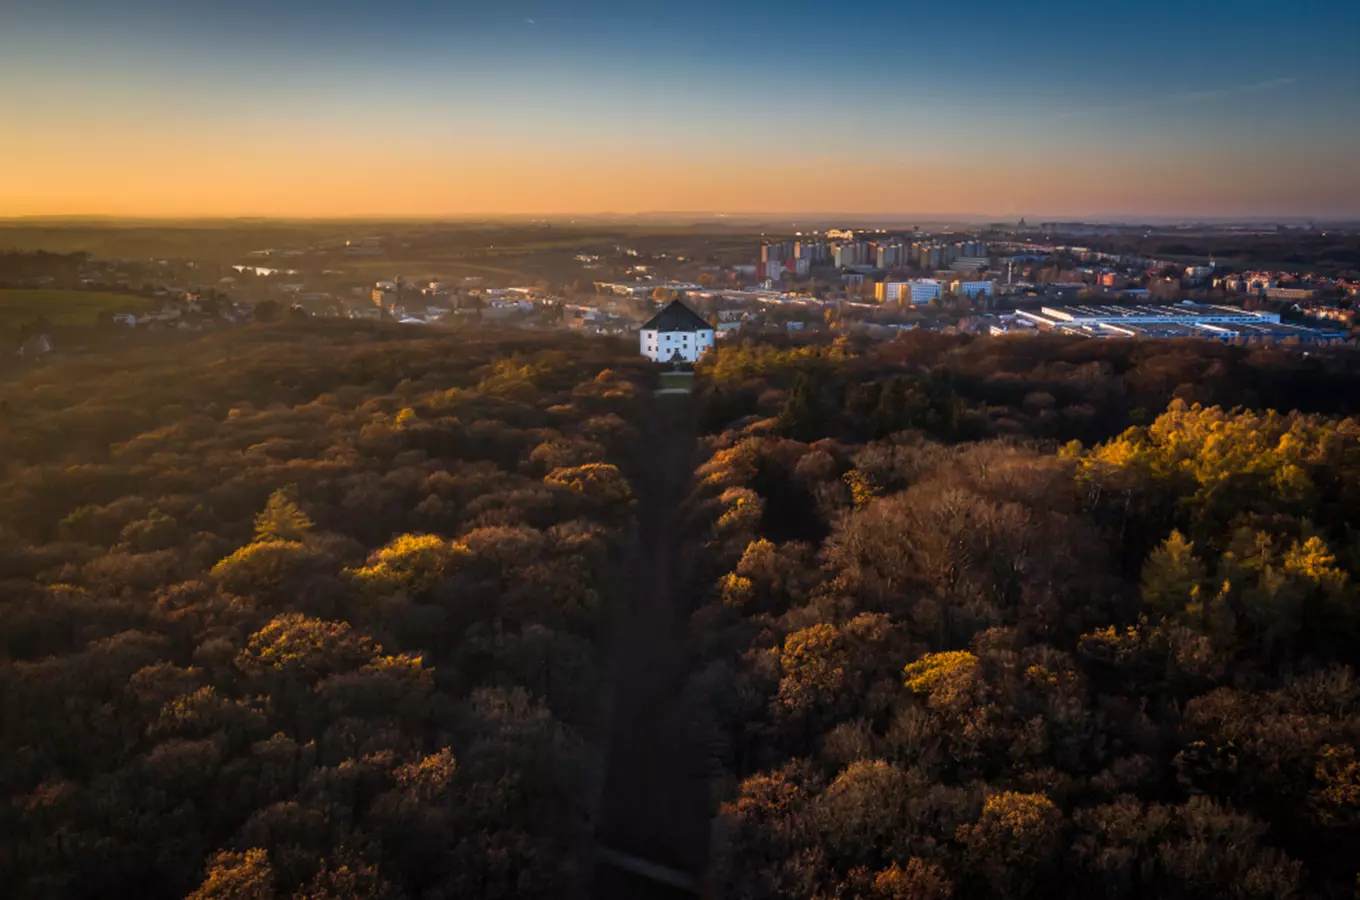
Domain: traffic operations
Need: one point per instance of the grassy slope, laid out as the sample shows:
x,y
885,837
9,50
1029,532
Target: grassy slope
x,y
60,307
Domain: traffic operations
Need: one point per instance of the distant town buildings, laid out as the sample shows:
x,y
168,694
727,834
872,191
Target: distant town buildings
x,y
1294,294
815,252
891,291
35,346
886,254
849,254
925,290
1186,313
1184,319
974,289
646,288
772,283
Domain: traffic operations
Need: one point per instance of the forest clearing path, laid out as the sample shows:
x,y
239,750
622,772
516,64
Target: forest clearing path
x,y
653,832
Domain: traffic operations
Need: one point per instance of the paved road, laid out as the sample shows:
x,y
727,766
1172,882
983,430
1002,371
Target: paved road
x,y
655,805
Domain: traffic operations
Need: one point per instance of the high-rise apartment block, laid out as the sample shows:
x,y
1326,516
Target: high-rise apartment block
x,y
849,254
922,290
889,256
891,291
974,289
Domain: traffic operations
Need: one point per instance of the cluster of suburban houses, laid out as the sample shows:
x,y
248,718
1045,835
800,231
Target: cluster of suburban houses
x,y
169,311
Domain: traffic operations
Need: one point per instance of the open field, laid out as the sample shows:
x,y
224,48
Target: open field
x,y
60,307
224,240
677,381
231,240
1325,252
434,268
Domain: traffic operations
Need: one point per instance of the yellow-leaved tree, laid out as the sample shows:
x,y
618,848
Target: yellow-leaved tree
x,y
237,876
282,518
413,563
1172,576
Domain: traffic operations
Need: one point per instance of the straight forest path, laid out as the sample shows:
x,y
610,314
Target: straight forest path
x,y
653,829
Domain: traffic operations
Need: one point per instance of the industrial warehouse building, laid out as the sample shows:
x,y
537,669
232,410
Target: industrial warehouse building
x,y
1185,319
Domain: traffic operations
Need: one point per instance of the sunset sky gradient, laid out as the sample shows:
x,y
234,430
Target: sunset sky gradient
x,y
420,108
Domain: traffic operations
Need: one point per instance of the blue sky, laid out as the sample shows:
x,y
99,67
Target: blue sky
x,y
1233,108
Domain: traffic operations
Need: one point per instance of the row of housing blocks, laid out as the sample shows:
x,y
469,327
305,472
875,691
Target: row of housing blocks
x,y
798,257
924,290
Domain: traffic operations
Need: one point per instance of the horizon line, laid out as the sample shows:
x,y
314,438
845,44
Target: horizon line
x,y
708,217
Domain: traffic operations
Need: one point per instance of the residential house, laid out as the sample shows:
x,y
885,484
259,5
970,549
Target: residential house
x,y
35,346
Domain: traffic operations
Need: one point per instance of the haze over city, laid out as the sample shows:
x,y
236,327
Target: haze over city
x,y
418,108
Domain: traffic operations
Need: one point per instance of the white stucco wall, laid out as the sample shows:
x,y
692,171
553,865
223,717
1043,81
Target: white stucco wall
x,y
662,346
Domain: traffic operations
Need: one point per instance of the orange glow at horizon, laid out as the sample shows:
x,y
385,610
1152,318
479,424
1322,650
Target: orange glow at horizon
x,y
201,174
421,108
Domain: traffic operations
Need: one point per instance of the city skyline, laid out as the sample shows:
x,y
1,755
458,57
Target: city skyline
x,y
417,109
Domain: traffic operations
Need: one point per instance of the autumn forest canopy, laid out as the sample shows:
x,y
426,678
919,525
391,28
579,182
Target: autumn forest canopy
x,y
309,613
322,610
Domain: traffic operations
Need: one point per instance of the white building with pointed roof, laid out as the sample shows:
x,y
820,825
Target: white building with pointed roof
x,y
676,334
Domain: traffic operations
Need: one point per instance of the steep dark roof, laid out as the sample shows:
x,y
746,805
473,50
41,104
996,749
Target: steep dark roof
x,y
676,317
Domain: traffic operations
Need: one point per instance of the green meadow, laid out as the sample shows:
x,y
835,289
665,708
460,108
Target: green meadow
x,y
18,307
